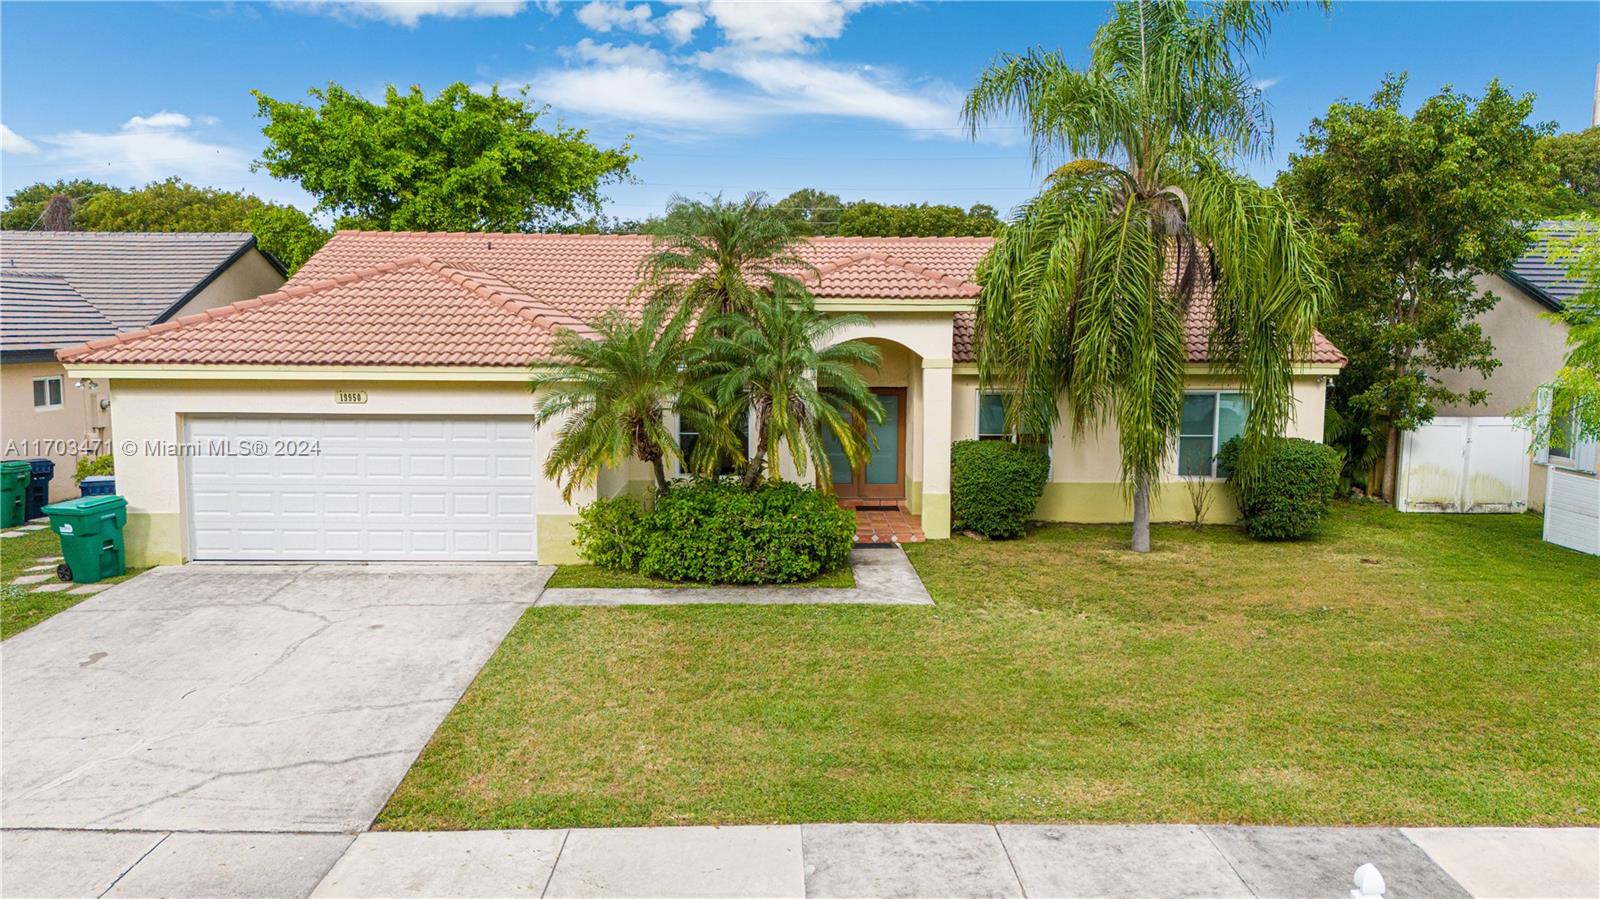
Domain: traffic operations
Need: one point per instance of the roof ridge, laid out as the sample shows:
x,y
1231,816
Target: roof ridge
x,y
900,262
510,297
287,292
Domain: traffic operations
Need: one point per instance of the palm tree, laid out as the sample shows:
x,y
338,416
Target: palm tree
x,y
717,254
773,365
616,387
1086,292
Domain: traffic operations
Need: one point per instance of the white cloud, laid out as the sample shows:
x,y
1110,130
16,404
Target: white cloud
x,y
637,84
144,149
12,142
161,121
802,86
406,12
1264,83
781,26
602,16
681,24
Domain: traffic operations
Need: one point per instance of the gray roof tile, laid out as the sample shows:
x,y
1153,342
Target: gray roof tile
x,y
133,279
1542,279
41,311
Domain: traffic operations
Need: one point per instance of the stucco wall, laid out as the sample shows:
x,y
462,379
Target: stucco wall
x,y
152,412
61,435
251,275
1085,469
1530,350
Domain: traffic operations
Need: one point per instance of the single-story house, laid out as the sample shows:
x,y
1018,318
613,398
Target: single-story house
x,y
1531,347
377,407
64,288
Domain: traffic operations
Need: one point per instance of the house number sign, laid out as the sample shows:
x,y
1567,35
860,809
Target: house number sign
x,y
350,397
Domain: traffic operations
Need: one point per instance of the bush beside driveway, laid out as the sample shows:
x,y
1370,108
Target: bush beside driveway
x,y
1398,670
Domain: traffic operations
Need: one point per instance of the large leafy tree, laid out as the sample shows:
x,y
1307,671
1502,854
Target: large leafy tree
x,y
1576,157
776,363
823,214
1410,208
175,205
615,386
25,206
1086,293
718,255
459,161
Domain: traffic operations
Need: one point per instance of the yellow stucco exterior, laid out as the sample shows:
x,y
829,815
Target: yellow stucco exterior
x,y
152,404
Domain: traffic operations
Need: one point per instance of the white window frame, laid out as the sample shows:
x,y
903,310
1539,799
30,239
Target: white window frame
x,y
1012,437
1216,432
61,393
1578,455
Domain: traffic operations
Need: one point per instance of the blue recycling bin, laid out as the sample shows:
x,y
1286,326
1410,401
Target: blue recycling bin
x,y
39,486
98,485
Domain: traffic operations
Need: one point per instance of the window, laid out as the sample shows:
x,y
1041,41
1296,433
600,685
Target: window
x,y
47,393
992,409
686,440
1210,419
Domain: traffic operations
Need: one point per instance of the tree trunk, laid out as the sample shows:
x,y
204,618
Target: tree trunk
x,y
1391,463
661,473
752,472
1141,516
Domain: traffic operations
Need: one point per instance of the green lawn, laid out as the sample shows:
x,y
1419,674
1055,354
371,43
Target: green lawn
x,y
1402,670
21,609
593,576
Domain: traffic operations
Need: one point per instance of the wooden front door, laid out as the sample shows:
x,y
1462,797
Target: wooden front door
x,y
884,474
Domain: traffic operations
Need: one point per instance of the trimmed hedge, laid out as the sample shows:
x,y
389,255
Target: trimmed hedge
x,y
995,486
1298,480
717,532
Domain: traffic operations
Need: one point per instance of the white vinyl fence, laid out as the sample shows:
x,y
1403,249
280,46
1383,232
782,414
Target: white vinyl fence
x,y
1572,510
1464,465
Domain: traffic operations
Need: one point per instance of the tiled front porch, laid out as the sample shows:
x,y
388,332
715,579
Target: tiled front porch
x,y
878,524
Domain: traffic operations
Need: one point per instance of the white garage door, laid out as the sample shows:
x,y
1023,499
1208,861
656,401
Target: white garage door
x,y
362,489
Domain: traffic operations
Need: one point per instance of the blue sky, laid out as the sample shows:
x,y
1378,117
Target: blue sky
x,y
856,98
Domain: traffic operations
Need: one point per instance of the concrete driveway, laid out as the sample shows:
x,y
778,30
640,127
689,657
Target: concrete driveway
x,y
261,698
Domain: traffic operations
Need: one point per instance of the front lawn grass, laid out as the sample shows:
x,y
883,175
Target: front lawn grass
x,y
1401,669
20,608
594,576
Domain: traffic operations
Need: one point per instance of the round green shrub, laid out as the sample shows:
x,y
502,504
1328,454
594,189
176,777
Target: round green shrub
x,y
1290,497
610,532
995,486
717,532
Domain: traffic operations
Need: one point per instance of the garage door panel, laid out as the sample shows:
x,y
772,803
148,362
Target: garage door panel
x,y
380,489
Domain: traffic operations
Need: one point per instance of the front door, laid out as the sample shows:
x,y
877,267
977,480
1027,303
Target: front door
x,y
884,475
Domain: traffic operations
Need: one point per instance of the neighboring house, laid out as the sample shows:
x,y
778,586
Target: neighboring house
x,y
62,288
378,406
1531,349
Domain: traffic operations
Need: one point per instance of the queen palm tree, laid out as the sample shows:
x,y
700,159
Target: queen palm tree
x,y
717,254
616,388
1087,291
774,363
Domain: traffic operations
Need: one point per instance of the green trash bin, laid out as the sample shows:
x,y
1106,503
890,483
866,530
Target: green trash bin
x,y
90,528
14,477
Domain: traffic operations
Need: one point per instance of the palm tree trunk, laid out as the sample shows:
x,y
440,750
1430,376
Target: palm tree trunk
x,y
752,472
660,472
1141,516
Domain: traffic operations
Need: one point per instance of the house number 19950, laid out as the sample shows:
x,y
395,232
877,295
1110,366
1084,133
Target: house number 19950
x,y
356,397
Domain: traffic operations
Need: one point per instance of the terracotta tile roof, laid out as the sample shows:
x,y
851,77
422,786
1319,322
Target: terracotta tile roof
x,y
580,276
411,311
131,278
39,311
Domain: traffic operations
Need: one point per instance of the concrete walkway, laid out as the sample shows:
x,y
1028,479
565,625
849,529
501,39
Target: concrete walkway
x,y
822,860
884,577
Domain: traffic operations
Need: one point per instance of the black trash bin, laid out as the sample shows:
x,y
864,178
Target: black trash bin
x,y
39,486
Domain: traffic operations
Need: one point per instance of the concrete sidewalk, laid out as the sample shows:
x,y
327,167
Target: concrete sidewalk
x,y
950,860
834,860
